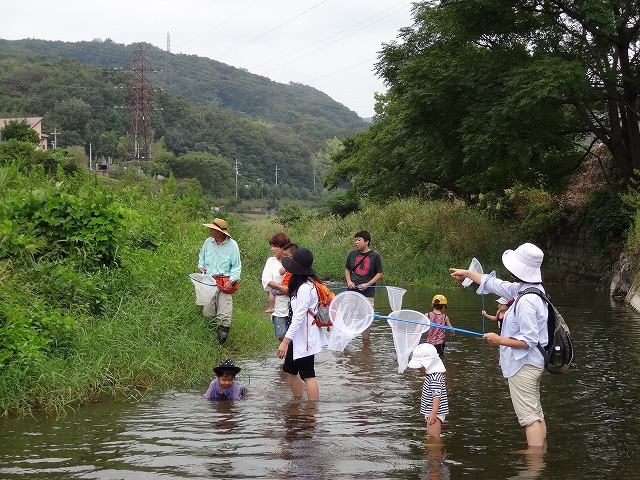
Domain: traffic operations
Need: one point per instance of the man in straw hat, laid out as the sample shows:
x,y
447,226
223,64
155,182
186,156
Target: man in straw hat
x,y
522,330
220,257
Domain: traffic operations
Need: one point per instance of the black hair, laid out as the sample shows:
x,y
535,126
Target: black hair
x,y
290,246
364,235
296,280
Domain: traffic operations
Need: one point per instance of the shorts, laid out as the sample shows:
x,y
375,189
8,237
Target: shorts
x,y
275,291
524,388
439,348
303,366
438,416
280,325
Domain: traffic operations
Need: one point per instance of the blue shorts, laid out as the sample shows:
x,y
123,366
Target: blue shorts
x,y
280,325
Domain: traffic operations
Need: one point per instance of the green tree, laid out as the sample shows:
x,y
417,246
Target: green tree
x,y
19,130
485,94
214,173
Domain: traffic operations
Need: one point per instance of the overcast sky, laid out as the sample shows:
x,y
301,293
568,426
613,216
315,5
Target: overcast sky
x,y
331,45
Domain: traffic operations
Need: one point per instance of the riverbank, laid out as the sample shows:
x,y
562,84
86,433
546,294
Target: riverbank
x,y
138,328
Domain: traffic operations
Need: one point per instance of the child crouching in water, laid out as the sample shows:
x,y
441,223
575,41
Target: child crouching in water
x,y
434,404
224,386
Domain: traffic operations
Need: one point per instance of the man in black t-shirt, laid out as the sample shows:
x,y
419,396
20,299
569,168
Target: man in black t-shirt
x,y
363,269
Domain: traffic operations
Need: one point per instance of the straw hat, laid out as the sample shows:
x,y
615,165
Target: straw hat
x,y
524,262
300,263
227,366
425,355
220,225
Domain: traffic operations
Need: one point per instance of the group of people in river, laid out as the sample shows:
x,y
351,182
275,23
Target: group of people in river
x,y
288,278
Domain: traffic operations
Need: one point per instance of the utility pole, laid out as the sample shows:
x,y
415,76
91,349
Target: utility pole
x,y
276,175
314,179
90,156
55,137
167,61
237,178
140,133
261,187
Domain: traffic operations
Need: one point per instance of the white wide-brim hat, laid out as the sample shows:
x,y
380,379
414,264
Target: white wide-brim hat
x,y
425,355
524,262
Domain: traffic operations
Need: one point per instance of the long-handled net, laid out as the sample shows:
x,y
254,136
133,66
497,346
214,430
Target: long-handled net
x,y
351,314
475,267
205,287
395,295
407,327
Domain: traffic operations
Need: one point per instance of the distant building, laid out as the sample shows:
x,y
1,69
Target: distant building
x,y
36,124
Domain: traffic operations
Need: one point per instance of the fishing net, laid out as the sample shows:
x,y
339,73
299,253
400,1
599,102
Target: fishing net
x,y
407,327
351,314
395,295
205,287
474,267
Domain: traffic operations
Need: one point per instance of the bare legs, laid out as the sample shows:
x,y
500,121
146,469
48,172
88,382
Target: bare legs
x,y
297,386
536,433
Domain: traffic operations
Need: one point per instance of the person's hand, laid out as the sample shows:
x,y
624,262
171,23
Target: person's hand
x,y
492,338
433,418
362,288
458,273
283,347
484,313
284,290
351,285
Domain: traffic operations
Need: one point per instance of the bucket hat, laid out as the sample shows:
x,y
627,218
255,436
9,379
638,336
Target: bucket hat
x,y
524,262
425,355
300,262
218,224
227,366
502,301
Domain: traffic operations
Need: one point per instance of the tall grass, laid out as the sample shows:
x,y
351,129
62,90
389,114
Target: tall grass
x,y
147,332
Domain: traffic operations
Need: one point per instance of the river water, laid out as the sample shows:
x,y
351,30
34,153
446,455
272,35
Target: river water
x,y
367,423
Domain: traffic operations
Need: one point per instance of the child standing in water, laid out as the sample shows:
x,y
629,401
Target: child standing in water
x,y
225,386
503,306
435,335
434,403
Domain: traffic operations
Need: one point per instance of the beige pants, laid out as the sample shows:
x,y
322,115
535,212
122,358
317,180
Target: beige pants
x,y
221,306
524,388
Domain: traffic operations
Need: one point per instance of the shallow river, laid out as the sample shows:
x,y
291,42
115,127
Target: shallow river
x,y
367,423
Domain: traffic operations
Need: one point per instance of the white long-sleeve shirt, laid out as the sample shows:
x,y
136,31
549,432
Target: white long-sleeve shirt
x,y
307,339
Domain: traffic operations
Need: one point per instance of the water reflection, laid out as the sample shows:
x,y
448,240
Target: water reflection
x,y
367,423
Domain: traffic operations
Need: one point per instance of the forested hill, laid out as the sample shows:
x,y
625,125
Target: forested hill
x,y
306,110
213,111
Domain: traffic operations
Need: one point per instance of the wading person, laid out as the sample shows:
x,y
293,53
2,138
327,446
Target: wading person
x,y
303,339
363,269
523,327
220,258
224,386
272,281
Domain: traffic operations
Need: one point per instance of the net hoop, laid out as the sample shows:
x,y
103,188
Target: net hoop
x,y
204,286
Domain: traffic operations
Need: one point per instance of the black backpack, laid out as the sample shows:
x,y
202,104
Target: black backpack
x,y
559,353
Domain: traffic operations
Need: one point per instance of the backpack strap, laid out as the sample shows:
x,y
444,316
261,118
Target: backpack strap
x,y
544,297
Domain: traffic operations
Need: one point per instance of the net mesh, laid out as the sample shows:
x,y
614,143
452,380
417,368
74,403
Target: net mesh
x,y
407,327
395,295
205,287
351,314
474,267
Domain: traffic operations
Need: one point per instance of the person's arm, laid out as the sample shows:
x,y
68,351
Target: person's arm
x,y
373,281
299,308
201,257
347,276
448,324
461,274
495,339
433,416
490,317
236,264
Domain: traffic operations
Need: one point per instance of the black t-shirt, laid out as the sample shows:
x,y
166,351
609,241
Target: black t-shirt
x,y
367,268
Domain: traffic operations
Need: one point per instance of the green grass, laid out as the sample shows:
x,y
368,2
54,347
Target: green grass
x,y
150,335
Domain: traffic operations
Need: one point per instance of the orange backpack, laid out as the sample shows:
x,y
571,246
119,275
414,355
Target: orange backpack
x,y
321,319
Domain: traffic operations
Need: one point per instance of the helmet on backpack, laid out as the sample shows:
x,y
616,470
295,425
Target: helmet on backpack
x,y
439,300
